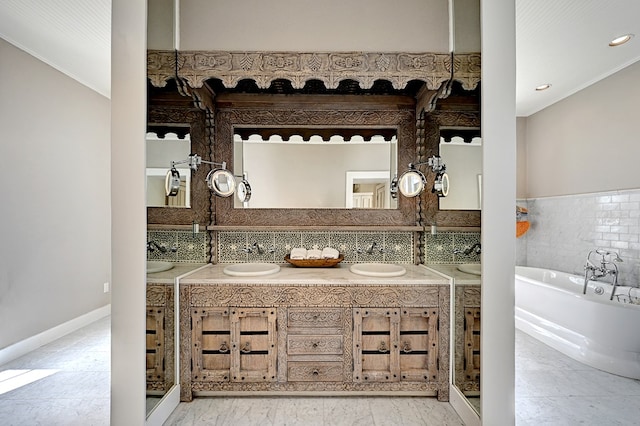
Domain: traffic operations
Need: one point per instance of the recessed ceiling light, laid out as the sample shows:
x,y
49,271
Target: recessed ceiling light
x,y
620,40
543,87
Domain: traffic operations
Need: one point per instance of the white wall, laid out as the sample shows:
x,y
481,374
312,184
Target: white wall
x,y
129,216
312,25
587,142
55,210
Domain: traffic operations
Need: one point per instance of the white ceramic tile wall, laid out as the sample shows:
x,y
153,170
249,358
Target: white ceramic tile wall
x,y
564,229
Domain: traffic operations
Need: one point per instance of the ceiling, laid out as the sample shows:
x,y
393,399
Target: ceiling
x,y
564,43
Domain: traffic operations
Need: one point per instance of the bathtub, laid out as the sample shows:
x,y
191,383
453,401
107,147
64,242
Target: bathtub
x,y
551,307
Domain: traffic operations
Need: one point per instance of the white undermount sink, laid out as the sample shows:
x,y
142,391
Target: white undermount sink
x,y
158,266
471,268
251,269
378,269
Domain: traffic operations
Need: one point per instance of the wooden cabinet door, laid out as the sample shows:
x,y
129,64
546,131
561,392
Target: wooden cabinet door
x,y
472,346
211,340
376,332
419,344
155,344
253,343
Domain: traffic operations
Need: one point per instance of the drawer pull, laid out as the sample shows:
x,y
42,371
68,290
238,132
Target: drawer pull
x,y
246,348
315,372
382,348
406,347
315,345
224,348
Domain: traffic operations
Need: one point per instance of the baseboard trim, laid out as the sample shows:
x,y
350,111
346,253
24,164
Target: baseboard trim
x,y
29,344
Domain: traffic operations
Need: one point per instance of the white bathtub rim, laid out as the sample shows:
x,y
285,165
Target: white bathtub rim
x,y
592,284
577,346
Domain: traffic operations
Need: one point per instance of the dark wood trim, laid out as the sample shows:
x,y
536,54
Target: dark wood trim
x,y
302,110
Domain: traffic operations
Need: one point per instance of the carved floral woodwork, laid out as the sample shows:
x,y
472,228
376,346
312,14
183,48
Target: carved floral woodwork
x,y
399,68
308,315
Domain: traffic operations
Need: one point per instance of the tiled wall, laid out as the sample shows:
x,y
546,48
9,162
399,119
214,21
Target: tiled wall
x,y
564,229
189,247
397,247
231,246
439,248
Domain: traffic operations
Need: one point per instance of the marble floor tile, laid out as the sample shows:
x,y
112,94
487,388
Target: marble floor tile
x,y
551,389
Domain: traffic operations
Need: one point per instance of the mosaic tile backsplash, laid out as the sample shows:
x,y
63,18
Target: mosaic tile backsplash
x,y
242,246
564,229
182,246
444,247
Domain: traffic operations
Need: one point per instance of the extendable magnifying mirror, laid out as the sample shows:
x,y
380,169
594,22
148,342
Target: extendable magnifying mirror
x,y
172,182
441,185
393,187
413,181
221,181
244,189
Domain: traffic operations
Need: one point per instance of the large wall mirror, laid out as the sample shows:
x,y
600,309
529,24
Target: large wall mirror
x,y
379,132
317,168
161,152
173,133
461,151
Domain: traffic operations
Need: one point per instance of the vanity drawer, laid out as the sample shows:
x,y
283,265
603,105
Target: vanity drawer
x,y
314,345
314,371
315,318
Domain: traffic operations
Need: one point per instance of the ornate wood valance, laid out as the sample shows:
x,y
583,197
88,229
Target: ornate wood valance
x,y
399,68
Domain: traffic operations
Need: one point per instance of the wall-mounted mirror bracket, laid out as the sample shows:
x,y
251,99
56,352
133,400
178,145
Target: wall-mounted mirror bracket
x,y
219,180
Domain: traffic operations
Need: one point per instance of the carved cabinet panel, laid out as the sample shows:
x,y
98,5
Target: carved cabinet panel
x,y
233,344
471,363
419,344
155,344
467,342
394,344
253,344
211,344
376,334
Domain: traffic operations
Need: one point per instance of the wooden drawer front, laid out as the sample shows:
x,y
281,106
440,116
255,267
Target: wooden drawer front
x,y
314,371
314,345
315,318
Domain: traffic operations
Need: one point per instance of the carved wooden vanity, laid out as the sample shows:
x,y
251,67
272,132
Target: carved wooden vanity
x,y
304,331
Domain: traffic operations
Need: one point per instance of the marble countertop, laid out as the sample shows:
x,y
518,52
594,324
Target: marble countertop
x,y
339,274
169,277
451,270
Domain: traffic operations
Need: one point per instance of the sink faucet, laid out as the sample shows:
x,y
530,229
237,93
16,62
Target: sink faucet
x,y
606,267
374,246
475,249
259,249
152,245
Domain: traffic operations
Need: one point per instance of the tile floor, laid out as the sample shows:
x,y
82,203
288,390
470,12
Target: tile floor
x,y
551,389
75,393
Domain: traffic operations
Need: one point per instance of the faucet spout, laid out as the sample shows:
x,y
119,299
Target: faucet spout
x,y
152,245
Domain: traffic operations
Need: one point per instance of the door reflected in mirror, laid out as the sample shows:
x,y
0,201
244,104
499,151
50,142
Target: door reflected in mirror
x,y
160,153
317,173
